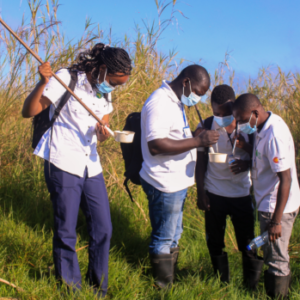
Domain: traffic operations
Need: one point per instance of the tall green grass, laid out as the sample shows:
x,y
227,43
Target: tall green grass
x,y
25,207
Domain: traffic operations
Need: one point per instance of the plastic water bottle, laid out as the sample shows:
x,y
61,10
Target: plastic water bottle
x,y
258,241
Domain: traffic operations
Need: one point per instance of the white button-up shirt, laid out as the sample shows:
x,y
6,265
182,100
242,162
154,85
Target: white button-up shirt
x,y
74,140
274,152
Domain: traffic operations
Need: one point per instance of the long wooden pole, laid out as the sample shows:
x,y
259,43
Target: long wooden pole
x,y
53,74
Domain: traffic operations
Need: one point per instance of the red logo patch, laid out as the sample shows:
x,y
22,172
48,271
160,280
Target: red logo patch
x,y
276,160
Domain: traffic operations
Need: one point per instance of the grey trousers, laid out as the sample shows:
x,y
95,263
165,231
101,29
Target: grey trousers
x,y
276,254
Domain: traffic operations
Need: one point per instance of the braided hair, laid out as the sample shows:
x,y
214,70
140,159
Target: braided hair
x,y
116,60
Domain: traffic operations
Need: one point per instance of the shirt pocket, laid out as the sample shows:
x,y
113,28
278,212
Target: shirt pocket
x,y
100,107
76,108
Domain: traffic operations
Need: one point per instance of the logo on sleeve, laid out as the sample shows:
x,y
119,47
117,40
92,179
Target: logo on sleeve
x,y
276,160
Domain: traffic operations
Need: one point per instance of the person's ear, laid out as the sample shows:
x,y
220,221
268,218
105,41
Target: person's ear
x,y
185,82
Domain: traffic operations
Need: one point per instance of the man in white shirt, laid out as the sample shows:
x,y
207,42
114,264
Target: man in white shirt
x,y
275,184
223,191
73,172
169,152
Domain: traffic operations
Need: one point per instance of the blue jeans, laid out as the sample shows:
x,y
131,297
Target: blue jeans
x,y
165,211
69,192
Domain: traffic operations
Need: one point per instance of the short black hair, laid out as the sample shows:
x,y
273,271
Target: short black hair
x,y
196,73
222,93
246,102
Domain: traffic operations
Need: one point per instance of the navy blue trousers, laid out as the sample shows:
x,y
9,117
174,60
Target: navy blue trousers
x,y
69,192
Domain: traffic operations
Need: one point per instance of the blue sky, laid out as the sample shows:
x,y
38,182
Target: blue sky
x,y
258,33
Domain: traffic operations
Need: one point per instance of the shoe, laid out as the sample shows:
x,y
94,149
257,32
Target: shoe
x,y
252,270
220,264
163,269
175,252
277,286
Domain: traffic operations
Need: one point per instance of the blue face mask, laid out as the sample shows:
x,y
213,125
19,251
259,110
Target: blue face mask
x,y
246,128
224,121
191,100
105,87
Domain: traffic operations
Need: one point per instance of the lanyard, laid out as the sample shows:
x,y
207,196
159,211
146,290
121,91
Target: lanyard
x,y
184,117
255,145
229,136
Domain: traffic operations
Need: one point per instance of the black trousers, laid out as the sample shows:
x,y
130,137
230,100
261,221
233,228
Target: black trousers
x,y
241,212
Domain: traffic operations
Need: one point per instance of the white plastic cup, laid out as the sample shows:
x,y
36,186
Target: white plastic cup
x,y
124,136
219,158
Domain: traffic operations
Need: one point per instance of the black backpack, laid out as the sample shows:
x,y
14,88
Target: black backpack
x,y
41,122
132,153
207,125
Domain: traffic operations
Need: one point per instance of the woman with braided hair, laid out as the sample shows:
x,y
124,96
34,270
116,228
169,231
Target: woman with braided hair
x,y
72,166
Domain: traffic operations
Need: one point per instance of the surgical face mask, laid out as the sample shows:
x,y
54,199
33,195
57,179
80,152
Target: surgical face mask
x,y
191,100
105,87
246,128
224,121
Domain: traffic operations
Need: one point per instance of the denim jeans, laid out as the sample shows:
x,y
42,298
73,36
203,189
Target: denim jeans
x,y
165,211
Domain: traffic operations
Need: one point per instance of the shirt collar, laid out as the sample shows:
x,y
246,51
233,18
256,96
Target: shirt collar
x,y
165,86
83,82
268,123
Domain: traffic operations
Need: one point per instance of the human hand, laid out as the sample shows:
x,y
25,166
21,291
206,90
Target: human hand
x,y
198,131
239,166
206,138
102,132
45,72
203,202
274,231
240,141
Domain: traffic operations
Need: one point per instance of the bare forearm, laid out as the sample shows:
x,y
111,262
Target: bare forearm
x,y
282,198
32,102
172,147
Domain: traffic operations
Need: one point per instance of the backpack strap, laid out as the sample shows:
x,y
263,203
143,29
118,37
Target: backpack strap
x,y
66,96
208,123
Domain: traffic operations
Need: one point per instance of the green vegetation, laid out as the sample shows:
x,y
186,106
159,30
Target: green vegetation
x,y
25,207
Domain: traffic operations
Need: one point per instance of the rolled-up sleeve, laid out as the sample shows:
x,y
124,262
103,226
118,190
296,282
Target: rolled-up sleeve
x,y
158,124
54,90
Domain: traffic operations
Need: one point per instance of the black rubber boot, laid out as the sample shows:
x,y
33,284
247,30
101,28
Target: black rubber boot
x,y
163,269
277,286
220,264
252,269
175,252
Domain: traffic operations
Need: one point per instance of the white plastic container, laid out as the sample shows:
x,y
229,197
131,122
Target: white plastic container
x,y
124,136
219,158
121,136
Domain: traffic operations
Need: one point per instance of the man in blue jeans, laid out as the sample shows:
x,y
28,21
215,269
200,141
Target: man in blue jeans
x,y
169,152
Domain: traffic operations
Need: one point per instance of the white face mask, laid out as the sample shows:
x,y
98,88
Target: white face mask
x,y
246,128
105,87
192,99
